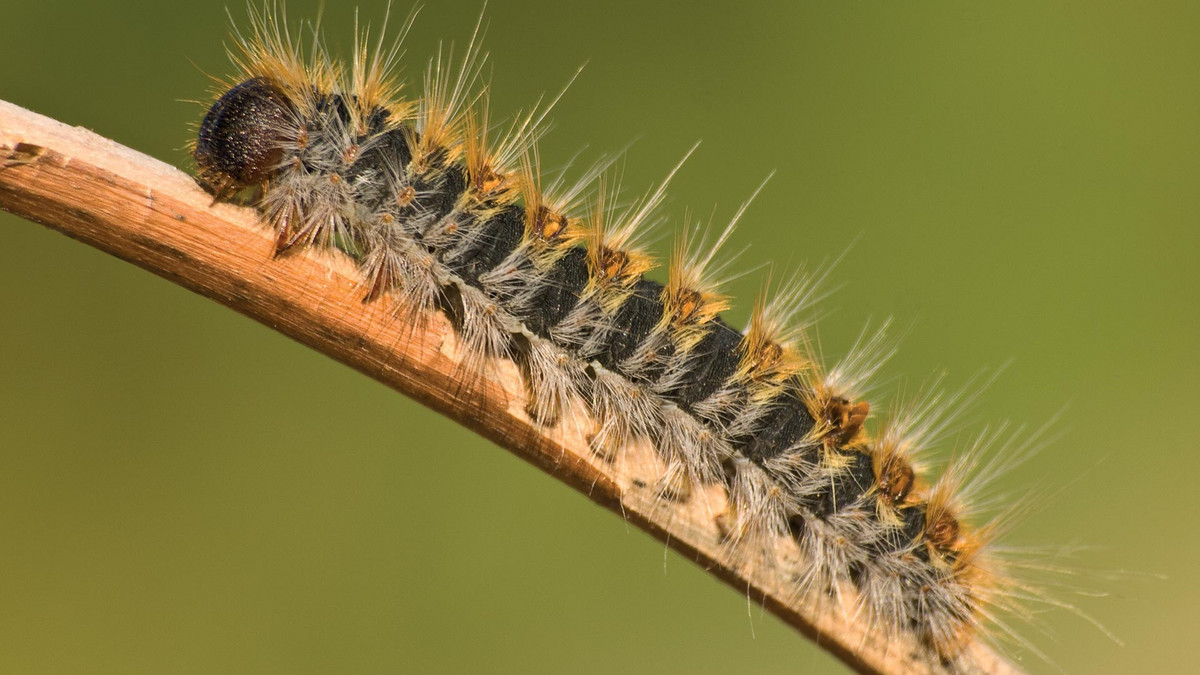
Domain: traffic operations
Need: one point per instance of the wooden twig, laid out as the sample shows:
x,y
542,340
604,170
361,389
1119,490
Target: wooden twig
x,y
154,216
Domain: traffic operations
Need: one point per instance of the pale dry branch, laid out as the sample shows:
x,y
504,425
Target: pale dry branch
x,y
154,216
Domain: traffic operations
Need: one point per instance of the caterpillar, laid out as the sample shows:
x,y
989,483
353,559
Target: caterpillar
x,y
550,275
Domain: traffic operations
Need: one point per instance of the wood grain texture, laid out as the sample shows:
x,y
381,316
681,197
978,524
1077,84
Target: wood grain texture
x,y
154,216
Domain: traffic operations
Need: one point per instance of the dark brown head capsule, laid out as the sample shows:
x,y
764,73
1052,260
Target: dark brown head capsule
x,y
239,144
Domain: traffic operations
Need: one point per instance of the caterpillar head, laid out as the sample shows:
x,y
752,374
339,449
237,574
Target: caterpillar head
x,y
239,144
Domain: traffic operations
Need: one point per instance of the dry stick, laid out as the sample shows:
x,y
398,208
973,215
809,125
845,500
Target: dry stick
x,y
154,216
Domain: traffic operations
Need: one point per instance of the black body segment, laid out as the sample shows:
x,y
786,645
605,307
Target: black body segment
x,y
786,424
633,322
847,486
714,362
563,284
378,172
500,234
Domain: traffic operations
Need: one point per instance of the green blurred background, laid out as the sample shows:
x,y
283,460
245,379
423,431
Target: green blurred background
x,y
185,491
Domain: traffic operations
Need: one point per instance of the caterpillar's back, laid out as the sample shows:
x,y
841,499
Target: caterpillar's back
x,y
442,216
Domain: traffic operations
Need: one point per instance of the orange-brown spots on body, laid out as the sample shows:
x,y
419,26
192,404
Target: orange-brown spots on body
x,y
406,196
896,478
302,139
845,420
489,181
548,224
769,355
350,154
613,263
942,531
688,304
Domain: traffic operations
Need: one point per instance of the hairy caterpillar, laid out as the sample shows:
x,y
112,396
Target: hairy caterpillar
x,y
950,176
439,219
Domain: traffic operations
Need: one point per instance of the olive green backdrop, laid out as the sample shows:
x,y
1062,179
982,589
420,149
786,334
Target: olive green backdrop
x,y
185,491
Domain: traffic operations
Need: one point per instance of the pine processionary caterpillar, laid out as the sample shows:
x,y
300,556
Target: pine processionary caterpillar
x,y
442,214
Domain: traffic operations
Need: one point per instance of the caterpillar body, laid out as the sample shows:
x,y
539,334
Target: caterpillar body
x,y
441,217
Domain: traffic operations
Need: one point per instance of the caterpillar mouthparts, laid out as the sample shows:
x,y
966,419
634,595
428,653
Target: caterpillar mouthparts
x,y
441,217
